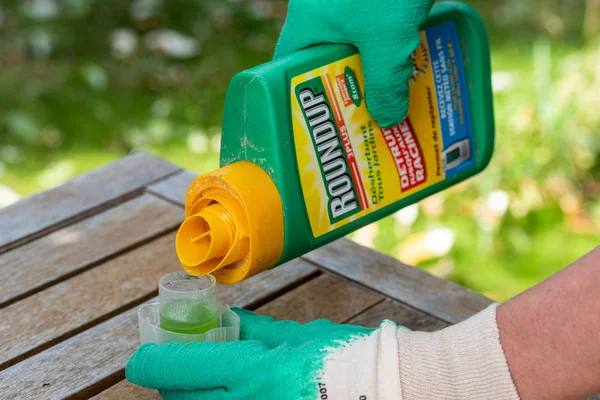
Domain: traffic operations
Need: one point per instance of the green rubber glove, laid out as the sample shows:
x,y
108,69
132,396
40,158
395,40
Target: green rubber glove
x,y
279,360
386,33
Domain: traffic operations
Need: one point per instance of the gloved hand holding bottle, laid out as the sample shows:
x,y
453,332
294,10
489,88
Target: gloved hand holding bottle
x,y
385,32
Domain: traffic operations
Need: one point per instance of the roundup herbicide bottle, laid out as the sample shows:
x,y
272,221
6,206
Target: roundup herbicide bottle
x,y
303,163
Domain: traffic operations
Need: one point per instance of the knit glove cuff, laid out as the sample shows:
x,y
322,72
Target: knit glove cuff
x,y
465,361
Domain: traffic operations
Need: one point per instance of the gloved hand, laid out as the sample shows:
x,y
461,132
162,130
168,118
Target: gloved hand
x,y
386,32
279,360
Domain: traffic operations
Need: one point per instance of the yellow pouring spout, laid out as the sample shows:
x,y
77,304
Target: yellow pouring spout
x,y
233,225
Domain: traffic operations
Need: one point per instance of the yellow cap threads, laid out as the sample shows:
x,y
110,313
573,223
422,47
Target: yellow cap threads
x,y
234,224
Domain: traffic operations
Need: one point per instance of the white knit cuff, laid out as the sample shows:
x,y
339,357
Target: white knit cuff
x,y
464,361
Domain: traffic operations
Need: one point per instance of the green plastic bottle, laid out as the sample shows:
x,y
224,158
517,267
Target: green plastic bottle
x,y
303,163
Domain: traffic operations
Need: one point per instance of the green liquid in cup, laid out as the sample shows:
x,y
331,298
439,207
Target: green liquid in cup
x,y
188,317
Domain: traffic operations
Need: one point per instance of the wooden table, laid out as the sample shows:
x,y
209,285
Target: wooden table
x,y
77,260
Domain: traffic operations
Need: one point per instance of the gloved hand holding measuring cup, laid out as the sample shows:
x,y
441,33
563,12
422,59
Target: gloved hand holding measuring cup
x,y
281,360
320,360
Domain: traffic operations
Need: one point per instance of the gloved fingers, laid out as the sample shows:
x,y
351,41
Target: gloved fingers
x,y
270,331
387,64
296,34
291,41
285,44
213,394
386,34
422,9
388,70
274,333
192,366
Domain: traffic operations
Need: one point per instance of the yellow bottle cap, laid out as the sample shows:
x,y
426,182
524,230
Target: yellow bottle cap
x,y
233,225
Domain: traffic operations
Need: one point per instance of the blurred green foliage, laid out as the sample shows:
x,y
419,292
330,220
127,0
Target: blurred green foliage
x,y
83,82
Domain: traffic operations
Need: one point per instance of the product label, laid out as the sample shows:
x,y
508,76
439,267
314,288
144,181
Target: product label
x,y
349,166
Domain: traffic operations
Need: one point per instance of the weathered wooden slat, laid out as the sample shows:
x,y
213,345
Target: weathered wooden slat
x,y
85,364
400,314
327,296
46,211
55,313
69,250
440,298
93,360
174,188
259,289
127,390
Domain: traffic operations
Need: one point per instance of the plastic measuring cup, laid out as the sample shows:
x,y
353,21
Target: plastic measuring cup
x,y
188,304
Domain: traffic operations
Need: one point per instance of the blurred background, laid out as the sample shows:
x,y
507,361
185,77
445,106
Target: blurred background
x,y
84,82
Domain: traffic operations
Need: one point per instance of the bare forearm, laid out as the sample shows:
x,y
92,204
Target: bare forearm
x,y
551,334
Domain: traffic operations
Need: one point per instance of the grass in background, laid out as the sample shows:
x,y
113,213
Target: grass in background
x,y
86,82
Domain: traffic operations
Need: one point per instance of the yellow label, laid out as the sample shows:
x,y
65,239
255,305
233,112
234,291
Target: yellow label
x,y
350,167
